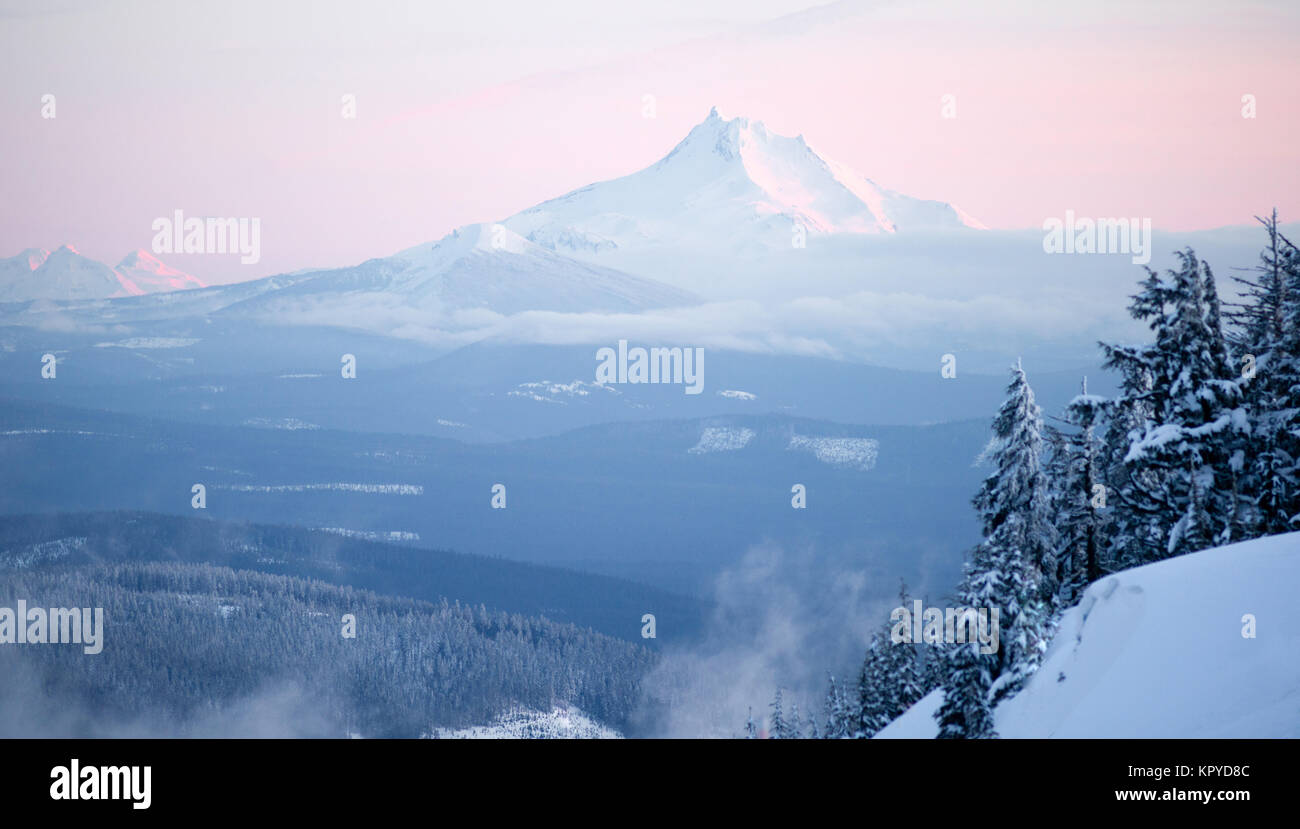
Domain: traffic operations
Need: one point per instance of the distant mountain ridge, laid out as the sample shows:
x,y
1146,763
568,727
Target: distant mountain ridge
x,y
65,274
475,267
728,184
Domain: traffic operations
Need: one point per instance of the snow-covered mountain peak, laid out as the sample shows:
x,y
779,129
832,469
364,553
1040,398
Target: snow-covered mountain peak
x,y
65,274
730,181
140,272
732,139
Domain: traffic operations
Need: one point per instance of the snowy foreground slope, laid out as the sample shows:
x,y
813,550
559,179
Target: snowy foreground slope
x,y
1158,651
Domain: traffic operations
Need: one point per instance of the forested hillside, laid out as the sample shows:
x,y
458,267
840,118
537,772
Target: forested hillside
x,y
198,650
609,605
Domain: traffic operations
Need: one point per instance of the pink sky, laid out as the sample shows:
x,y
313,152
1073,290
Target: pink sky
x,y
471,115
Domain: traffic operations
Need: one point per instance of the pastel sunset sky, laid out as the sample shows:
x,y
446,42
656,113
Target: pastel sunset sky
x,y
472,111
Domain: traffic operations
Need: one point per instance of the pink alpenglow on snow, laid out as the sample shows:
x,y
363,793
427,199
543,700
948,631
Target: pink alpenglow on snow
x,y
142,273
65,274
730,179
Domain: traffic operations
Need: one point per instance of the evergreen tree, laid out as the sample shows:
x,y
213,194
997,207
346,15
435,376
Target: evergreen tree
x,y
1133,536
1013,501
1269,342
1057,460
1078,497
838,724
965,712
998,577
900,671
1014,569
784,726
777,728
873,707
1189,451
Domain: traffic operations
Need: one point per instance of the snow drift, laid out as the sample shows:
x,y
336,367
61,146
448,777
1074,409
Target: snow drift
x,y
1162,651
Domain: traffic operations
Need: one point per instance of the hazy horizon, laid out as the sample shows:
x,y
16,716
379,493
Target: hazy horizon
x,y
466,116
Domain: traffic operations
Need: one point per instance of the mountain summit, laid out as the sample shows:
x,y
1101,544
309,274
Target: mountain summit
x,y
142,273
730,180
61,274
66,274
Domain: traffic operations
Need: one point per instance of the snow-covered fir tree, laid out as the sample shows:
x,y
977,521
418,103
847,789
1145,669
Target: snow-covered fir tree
x,y
1188,454
1078,498
784,726
838,714
777,727
1267,337
873,707
889,682
900,669
1133,537
1012,570
1013,502
965,713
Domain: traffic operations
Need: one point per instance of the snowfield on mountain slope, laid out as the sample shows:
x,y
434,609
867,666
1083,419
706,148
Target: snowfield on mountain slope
x,y
476,268
559,724
854,453
142,273
1158,651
